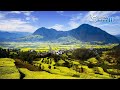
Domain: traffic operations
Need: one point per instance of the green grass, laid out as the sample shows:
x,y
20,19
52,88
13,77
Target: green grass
x,y
44,46
10,76
8,69
113,71
9,73
7,59
42,75
93,60
60,72
46,75
99,70
88,73
7,62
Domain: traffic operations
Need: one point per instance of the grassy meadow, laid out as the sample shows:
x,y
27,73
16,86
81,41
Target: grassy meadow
x,y
44,46
68,66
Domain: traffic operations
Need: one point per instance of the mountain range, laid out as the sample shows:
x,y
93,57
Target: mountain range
x,y
83,33
11,36
118,36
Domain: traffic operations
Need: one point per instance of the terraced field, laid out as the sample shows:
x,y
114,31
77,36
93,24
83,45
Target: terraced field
x,y
8,69
44,46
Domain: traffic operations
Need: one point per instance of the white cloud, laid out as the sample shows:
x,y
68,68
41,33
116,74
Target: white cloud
x,y
27,13
27,18
16,25
17,12
2,16
98,14
73,24
58,27
110,27
113,29
75,21
60,12
76,17
32,18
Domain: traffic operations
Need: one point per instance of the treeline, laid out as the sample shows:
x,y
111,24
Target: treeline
x,y
4,53
31,55
114,55
84,54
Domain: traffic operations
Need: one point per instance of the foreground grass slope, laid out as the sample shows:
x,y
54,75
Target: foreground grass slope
x,y
42,75
55,75
8,69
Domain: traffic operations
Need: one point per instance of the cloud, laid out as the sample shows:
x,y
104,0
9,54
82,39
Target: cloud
x,y
75,21
92,18
97,15
111,27
16,25
27,18
2,16
31,18
73,24
27,13
76,17
58,27
34,18
60,12
16,12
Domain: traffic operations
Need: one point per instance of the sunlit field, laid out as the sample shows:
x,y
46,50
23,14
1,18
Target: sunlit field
x,y
8,69
45,46
68,67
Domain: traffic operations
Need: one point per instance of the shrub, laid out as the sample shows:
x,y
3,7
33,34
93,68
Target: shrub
x,y
113,71
64,56
93,60
90,65
85,69
99,70
60,63
76,75
83,54
21,64
49,67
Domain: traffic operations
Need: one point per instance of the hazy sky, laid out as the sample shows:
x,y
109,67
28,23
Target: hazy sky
x,y
29,21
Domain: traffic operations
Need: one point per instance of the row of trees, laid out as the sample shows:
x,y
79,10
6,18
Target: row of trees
x,y
4,53
29,56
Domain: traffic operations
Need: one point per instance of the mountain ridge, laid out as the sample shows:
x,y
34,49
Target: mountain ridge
x,y
11,36
84,33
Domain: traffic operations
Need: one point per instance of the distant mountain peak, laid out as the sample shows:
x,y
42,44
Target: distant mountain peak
x,y
43,28
85,24
84,33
